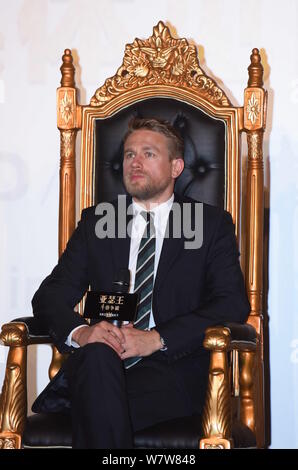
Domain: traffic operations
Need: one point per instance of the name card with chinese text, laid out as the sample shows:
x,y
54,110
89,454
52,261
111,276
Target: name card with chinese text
x,y
111,306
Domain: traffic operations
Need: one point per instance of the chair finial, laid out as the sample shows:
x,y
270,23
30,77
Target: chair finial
x,y
255,69
67,70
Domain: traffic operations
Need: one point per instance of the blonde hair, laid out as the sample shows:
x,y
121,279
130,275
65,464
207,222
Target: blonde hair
x,y
176,144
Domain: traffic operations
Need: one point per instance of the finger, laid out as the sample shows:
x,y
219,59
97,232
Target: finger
x,y
109,327
127,355
117,332
128,325
103,332
110,338
114,336
105,325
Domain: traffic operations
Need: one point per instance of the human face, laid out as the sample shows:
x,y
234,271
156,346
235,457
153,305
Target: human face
x,y
148,172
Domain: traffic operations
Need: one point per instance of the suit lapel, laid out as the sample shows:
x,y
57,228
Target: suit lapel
x,y
120,252
120,246
171,248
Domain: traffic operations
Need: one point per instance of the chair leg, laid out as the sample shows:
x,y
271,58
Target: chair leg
x,y
217,416
13,403
13,400
247,411
215,443
9,440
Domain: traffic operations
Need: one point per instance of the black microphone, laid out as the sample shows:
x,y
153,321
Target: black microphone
x,y
121,286
115,306
123,281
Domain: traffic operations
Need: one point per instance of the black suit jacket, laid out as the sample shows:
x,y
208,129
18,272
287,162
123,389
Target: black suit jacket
x,y
194,288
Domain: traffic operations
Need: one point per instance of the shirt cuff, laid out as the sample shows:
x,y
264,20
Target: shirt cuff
x,y
69,341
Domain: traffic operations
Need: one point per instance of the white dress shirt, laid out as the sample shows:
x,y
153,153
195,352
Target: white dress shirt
x,y
160,216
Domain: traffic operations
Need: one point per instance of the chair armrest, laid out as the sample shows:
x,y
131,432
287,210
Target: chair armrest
x,y
217,416
24,331
13,399
243,337
229,336
17,334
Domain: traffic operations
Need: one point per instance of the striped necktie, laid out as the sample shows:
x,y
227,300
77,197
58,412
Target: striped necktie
x,y
144,279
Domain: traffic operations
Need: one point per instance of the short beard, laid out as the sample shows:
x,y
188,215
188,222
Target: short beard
x,y
147,192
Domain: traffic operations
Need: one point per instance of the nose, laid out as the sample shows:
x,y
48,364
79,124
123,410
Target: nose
x,y
137,161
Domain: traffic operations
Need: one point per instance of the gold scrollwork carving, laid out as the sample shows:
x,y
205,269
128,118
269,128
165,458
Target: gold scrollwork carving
x,y
66,108
255,143
13,334
253,109
216,420
13,400
160,60
214,443
10,441
217,339
7,443
67,144
213,446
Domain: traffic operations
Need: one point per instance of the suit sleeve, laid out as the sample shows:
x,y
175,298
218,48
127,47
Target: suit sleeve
x,y
60,292
225,298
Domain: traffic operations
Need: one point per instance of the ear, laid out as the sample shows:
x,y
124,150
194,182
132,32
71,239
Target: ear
x,y
177,167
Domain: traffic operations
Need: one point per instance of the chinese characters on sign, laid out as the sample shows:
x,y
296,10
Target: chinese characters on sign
x,y
110,303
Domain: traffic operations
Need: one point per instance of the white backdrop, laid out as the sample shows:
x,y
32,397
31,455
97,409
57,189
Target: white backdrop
x,y
33,36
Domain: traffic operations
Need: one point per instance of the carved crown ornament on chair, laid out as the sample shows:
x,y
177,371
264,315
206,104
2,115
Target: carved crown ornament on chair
x,y
163,67
160,60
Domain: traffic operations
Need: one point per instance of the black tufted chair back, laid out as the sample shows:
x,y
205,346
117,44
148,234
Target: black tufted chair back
x,y
203,178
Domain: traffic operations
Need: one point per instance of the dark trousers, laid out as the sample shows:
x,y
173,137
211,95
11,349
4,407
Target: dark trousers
x,y
109,403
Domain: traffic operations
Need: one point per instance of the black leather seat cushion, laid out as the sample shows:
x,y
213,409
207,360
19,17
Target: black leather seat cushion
x,y
204,141
54,430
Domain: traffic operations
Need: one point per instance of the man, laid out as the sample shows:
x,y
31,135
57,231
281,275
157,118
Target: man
x,y
120,380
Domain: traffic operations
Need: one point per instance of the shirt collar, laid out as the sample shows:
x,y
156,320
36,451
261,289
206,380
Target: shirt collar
x,y
158,211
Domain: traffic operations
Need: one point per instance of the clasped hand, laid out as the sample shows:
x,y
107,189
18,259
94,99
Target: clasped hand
x,y
126,341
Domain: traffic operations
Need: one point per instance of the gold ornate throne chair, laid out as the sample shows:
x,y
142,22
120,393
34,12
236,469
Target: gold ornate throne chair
x,y
161,77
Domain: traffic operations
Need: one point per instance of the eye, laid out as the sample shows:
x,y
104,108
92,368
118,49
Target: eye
x,y
128,155
149,154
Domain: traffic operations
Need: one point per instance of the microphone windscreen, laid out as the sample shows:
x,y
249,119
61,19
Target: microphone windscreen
x,y
121,283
